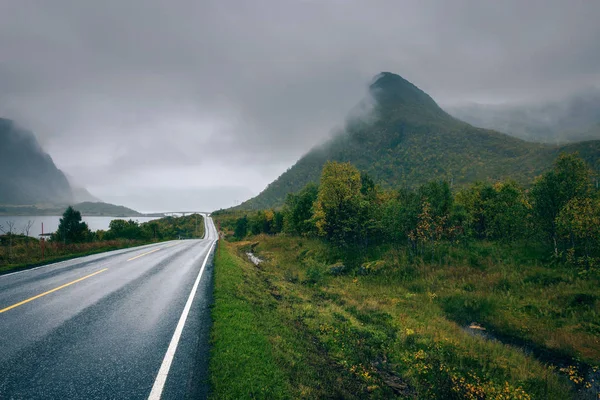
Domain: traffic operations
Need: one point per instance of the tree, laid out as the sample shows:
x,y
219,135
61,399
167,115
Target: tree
x,y
569,178
499,211
439,197
400,215
506,211
298,210
579,224
367,185
152,229
370,211
278,220
268,222
27,227
121,229
338,203
472,200
259,222
71,229
241,227
9,231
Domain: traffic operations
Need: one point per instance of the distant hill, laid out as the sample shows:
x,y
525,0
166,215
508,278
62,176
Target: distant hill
x,y
573,119
93,209
408,139
80,194
28,175
31,184
105,209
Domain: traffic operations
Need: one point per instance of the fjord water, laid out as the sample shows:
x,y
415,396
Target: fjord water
x,y
51,223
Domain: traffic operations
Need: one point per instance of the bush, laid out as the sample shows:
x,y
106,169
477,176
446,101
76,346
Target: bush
x,y
337,270
314,272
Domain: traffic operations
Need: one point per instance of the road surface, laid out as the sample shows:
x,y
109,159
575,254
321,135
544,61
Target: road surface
x,y
126,324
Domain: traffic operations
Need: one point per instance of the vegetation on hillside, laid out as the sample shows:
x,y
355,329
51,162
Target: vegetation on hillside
x,y
408,140
487,291
559,210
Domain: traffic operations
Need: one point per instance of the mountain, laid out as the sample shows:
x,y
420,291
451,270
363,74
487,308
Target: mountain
x,y
572,119
87,208
29,175
407,139
105,209
81,194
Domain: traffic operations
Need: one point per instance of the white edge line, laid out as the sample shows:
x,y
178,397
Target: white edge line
x,y
163,372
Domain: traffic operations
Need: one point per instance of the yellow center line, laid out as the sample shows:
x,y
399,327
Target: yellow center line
x,y
50,291
141,255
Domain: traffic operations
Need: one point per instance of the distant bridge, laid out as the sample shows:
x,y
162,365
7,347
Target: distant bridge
x,y
183,213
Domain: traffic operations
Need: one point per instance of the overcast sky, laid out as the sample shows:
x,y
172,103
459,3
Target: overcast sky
x,y
163,105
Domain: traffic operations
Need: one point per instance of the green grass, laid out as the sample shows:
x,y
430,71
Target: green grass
x,y
260,348
242,364
395,327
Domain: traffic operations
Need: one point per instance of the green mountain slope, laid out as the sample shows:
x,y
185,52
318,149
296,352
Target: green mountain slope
x,y
408,139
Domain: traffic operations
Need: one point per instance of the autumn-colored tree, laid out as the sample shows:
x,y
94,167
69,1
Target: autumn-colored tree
x,y
338,203
430,230
578,223
269,221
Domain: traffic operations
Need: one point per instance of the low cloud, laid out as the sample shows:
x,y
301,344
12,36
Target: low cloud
x,y
161,96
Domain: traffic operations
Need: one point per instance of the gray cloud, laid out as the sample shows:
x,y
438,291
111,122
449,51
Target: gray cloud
x,y
221,97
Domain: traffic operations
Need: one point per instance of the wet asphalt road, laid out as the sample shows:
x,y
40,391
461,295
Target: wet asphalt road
x,y
105,336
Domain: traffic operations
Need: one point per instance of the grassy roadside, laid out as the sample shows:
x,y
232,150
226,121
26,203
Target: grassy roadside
x,y
260,351
398,328
242,363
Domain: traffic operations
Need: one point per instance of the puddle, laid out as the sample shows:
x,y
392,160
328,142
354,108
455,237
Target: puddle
x,y
477,330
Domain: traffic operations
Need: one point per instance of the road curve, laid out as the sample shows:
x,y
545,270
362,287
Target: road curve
x,y
103,326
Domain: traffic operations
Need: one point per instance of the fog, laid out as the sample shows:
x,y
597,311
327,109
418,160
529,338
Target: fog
x,y
200,104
